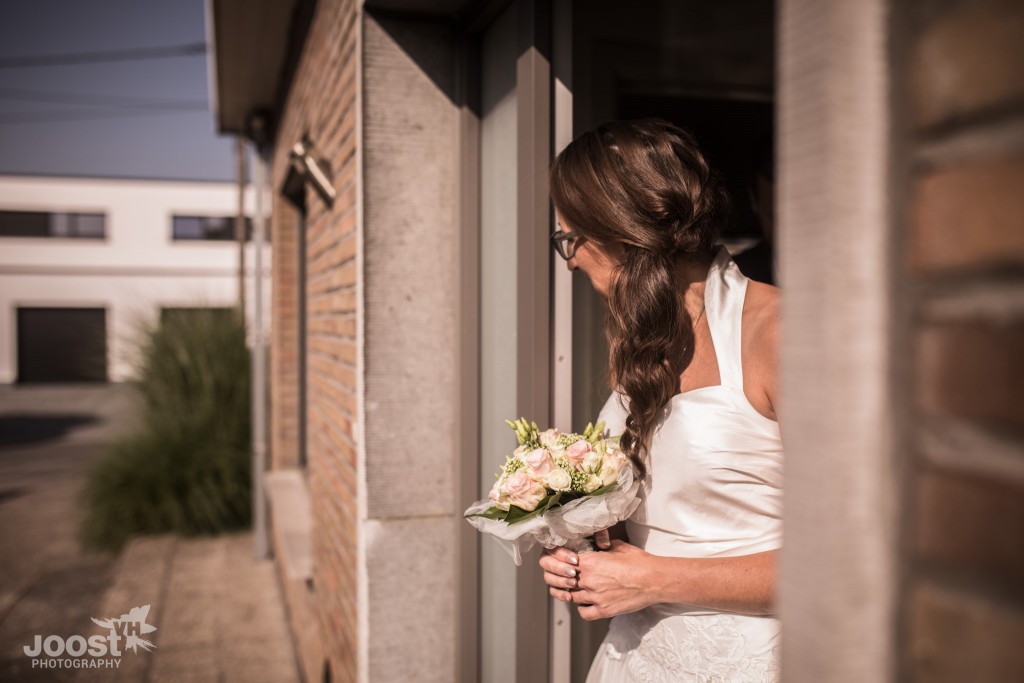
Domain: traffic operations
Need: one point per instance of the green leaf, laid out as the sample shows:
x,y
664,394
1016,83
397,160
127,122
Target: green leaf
x,y
490,513
517,514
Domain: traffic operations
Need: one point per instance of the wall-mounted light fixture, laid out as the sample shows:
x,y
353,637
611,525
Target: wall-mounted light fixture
x,y
312,170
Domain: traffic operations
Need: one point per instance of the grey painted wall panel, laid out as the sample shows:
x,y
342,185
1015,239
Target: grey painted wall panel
x,y
411,592
838,575
411,242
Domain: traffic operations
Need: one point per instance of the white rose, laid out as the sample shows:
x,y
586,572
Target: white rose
x,y
559,480
617,458
609,445
549,440
497,495
609,473
592,484
592,462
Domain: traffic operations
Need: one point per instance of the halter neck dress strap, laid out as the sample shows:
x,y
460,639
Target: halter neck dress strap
x,y
724,293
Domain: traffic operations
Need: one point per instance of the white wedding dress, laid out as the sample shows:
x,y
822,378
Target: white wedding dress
x,y
713,489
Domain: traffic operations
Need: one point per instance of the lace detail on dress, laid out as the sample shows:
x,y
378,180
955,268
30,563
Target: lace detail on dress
x,y
702,649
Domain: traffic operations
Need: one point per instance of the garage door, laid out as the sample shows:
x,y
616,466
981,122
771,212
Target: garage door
x,y
62,345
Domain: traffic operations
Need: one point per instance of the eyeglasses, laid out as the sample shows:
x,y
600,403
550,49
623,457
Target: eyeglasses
x,y
566,243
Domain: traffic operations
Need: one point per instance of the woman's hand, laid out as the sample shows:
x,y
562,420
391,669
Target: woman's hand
x,y
561,567
612,582
561,572
603,584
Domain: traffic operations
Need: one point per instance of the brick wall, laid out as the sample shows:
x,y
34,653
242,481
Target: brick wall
x,y
321,104
284,351
963,612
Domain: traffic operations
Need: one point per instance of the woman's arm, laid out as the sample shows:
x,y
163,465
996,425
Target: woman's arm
x,y
744,584
626,578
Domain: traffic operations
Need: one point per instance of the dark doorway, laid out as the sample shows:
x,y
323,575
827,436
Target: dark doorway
x,y
62,345
708,67
733,135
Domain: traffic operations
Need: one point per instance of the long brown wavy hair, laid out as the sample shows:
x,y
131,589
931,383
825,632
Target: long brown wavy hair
x,y
642,189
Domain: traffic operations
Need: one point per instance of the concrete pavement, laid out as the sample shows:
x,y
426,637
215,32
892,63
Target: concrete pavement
x,y
217,611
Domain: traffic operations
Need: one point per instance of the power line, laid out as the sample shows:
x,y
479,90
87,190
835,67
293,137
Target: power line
x,y
109,101
59,116
97,57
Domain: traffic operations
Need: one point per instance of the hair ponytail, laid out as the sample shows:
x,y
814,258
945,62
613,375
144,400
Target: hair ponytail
x,y
643,297
645,187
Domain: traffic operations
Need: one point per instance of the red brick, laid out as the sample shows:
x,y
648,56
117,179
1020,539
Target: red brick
x,y
973,527
284,377
969,217
972,369
345,199
340,372
326,257
955,638
336,325
968,60
340,349
331,281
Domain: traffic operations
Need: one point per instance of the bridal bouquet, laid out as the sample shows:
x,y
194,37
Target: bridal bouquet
x,y
557,489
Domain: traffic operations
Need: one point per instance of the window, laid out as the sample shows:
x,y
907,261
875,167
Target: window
x,y
52,224
215,228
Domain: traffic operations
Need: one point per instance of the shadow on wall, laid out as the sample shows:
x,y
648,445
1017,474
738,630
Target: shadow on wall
x,y
419,39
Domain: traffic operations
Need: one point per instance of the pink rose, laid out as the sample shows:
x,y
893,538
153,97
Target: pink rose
x,y
577,452
523,491
538,463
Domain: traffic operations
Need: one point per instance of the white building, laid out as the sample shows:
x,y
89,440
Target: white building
x,y
83,262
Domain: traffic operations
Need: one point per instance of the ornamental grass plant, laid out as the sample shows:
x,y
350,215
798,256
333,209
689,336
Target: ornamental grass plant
x,y
187,469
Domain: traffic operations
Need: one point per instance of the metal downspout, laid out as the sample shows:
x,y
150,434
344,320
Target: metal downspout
x,y
259,357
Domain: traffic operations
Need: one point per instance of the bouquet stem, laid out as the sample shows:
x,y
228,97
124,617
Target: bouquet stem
x,y
580,545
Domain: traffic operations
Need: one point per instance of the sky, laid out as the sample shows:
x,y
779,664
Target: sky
x,y
133,118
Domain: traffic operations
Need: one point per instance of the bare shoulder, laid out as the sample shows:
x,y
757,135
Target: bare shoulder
x,y
761,313
761,332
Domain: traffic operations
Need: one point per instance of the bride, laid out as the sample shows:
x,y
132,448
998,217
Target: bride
x,y
693,364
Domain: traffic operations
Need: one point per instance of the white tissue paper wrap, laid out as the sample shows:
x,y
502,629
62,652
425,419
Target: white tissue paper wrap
x,y
567,525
